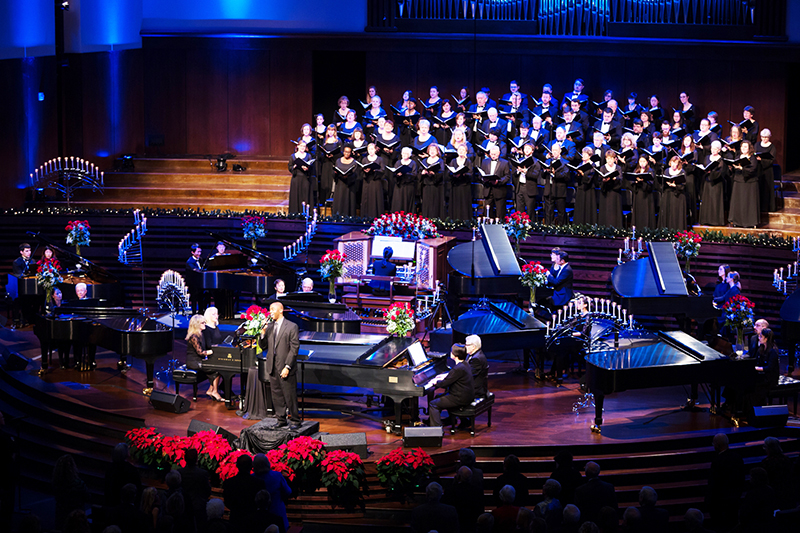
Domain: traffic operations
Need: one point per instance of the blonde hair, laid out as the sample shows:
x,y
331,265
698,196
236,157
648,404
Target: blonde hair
x,y
207,315
194,326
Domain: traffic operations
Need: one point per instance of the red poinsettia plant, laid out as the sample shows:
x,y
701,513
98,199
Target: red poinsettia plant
x,y
342,470
227,467
277,463
302,456
403,470
160,451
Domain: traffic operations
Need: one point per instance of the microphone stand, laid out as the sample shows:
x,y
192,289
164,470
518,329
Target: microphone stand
x,y
472,272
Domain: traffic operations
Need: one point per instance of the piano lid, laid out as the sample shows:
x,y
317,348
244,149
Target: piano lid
x,y
494,256
259,260
496,318
659,274
89,269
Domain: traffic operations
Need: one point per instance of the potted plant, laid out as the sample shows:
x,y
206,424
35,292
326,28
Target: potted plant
x,y
303,456
332,267
402,471
344,477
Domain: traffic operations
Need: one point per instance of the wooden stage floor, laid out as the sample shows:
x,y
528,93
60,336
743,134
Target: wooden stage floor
x,y
526,412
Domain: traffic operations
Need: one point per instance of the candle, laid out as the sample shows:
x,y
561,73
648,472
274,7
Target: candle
x,y
619,259
627,243
640,245
624,315
781,272
548,329
559,315
631,320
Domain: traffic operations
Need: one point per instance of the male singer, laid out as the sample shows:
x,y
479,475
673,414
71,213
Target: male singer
x,y
559,277
281,340
21,267
498,176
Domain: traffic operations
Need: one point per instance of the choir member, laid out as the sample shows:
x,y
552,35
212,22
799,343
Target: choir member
x,y
319,128
648,126
443,122
546,110
424,139
358,142
432,182
408,121
609,177
611,129
495,177
372,114
463,102
493,140
405,182
538,134
516,113
765,154
371,92
687,111
632,108
513,88
745,203
340,116
349,125
521,139
329,150
677,125
689,157
656,110
713,117
477,111
640,182
600,106
616,113
599,148
585,196
749,125
581,116
628,153
462,126
458,140
373,168
715,173
667,137
402,104
489,101
641,137
577,94
731,145
432,105
722,283
300,165
493,121
703,139
345,184
459,173
673,204
308,137
568,149
389,145
556,178
573,130
527,174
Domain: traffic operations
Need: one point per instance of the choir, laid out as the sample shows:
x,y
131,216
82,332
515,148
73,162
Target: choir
x,y
568,160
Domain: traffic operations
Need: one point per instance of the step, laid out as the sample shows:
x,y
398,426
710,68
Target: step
x,y
176,179
785,216
775,229
203,163
232,205
189,193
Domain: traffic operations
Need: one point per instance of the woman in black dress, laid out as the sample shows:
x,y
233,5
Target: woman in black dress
x,y
463,102
672,214
459,172
745,203
610,212
424,139
350,124
628,152
441,126
300,186
307,136
714,175
329,150
677,126
212,334
372,190
640,181
408,122
432,181
585,195
358,143
388,143
689,157
372,114
765,154
345,184
340,116
196,352
656,111
405,182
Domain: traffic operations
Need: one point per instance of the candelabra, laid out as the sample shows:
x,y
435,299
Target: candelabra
x,y
173,294
300,246
66,175
130,251
633,248
785,280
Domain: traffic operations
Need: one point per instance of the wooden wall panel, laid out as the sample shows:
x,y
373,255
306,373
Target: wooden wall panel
x,y
249,101
290,97
129,137
207,101
99,109
165,99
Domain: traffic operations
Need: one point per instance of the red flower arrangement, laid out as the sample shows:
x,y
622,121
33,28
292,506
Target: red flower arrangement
x,y
78,234
687,246
405,225
739,314
332,264
278,464
155,449
518,225
399,319
402,470
227,467
343,475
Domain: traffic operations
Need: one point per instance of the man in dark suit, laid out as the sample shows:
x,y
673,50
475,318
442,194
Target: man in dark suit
x,y
196,486
494,122
610,128
514,91
281,338
577,94
193,272
495,186
758,326
509,111
547,110
240,492
22,263
478,364
594,494
383,268
26,305
433,514
726,481
556,177
458,383
654,519
559,277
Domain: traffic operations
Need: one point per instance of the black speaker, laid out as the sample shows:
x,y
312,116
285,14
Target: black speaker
x,y
422,436
165,401
196,426
769,416
14,361
351,442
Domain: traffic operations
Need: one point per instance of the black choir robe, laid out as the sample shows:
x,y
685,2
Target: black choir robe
x,y
326,171
585,198
432,189
610,201
460,206
405,189
373,184
766,177
300,186
673,204
712,205
745,202
643,208
344,195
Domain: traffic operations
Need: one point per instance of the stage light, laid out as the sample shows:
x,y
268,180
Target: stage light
x,y
65,5
41,97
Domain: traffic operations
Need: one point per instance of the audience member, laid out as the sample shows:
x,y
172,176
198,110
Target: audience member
x,y
588,527
538,525
632,520
76,522
725,485
512,475
150,508
215,508
654,519
262,517
240,491
550,507
567,475
505,514
196,486
69,490
467,458
594,494
466,498
758,503
125,514
275,483
693,519
485,523
119,474
433,514
571,519
9,470
175,518
29,524
780,472
608,522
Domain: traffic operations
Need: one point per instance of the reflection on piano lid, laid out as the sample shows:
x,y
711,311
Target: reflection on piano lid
x,y
496,266
501,326
324,316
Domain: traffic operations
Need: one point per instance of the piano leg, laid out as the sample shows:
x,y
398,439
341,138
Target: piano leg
x,y
599,397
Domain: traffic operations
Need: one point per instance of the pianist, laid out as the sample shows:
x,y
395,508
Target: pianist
x,y
211,334
478,364
308,285
81,291
281,339
458,383
22,263
197,352
280,288
223,298
559,277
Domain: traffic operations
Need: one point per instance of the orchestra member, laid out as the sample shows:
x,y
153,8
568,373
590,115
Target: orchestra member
x,y
373,183
329,149
556,177
345,183
405,182
307,285
526,182
673,206
58,297
609,177
281,340
197,352
300,186
641,184
714,177
765,154
459,386
384,267
745,203
211,333
459,173
432,182
497,177
280,288
585,197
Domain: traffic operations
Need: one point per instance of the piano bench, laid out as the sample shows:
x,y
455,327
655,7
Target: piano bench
x,y
475,409
787,387
187,376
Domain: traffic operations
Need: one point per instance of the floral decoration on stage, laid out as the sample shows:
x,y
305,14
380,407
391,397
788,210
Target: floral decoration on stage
x,y
518,225
227,467
405,225
739,315
159,451
255,318
404,470
48,276
332,267
253,228
78,234
687,246
302,458
399,319
344,476
534,274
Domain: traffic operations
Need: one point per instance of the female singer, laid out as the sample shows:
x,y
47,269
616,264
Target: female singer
x,y
745,203
459,139
464,99
460,176
433,103
300,189
732,144
765,154
655,109
751,133
374,182
424,139
196,352
389,154
585,196
340,116
687,111
405,182
211,334
715,173
408,126
629,153
677,126
358,143
431,179
319,128
402,105
461,125
372,114
329,150
349,125
673,201
648,127
345,184
443,131
308,137
689,157
610,213
641,184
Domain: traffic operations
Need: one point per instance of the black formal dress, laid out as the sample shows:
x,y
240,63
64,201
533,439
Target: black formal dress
x,y
432,188
745,202
644,210
712,203
673,204
585,198
610,201
300,186
422,146
325,172
689,170
766,177
382,268
405,189
443,132
345,187
373,189
195,347
460,206
460,389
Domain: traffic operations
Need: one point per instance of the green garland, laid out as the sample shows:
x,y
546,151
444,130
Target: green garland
x,y
572,230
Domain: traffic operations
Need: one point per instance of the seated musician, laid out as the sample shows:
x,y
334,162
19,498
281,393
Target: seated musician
x,y
571,347
280,288
383,267
742,396
197,352
459,385
734,288
81,291
308,285
194,266
224,299
211,334
62,346
20,268
478,364
22,264
559,277
759,325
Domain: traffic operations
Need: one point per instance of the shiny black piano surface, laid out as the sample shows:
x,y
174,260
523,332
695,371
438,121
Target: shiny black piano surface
x,y
317,314
496,266
501,326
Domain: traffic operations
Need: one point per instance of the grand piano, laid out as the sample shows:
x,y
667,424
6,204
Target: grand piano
x,y
395,367
311,311
91,323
